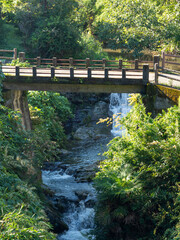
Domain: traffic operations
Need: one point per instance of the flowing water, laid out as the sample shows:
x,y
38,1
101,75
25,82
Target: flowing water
x,y
119,107
68,178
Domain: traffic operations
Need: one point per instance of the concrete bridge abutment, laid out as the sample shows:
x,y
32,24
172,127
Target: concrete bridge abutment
x,y
17,100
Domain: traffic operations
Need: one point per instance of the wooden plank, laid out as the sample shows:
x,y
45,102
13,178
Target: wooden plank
x,y
34,71
8,51
171,70
17,72
173,63
52,72
170,55
86,88
123,73
145,73
106,71
163,60
71,73
6,57
89,73
79,60
15,53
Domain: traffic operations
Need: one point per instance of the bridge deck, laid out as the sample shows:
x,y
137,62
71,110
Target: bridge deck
x,y
65,73
103,80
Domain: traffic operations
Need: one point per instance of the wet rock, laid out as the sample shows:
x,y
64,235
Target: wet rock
x,y
84,133
82,195
64,151
86,174
61,204
54,217
48,192
100,110
89,203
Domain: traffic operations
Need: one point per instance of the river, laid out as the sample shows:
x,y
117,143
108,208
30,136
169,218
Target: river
x,y
70,179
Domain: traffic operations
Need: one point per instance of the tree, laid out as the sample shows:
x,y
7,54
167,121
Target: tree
x,y
138,183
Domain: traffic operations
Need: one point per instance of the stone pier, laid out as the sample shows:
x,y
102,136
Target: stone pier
x,y
17,100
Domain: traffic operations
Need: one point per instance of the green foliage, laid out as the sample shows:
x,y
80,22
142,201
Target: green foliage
x,y
53,111
135,25
55,28
16,62
138,183
91,47
21,215
1,80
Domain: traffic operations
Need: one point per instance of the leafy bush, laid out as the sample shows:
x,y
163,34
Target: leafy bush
x,y
16,62
22,215
136,25
138,183
53,111
91,47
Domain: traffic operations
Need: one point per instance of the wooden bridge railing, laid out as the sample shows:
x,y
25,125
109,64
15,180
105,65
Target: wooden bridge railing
x,y
81,63
85,63
72,73
5,54
170,62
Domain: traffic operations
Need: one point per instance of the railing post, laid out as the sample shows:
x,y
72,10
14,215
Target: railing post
x,y
22,56
71,62
156,60
145,73
38,61
15,53
104,63
123,74
52,72
54,61
71,73
163,60
106,71
136,64
34,72
156,73
17,71
87,62
89,73
120,63
0,66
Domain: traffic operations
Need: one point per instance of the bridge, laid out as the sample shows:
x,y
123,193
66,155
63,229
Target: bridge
x,y
86,75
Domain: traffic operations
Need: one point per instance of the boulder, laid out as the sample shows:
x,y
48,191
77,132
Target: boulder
x,y
84,133
54,217
100,110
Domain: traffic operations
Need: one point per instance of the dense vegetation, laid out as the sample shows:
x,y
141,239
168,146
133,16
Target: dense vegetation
x,y
138,183
79,28
138,188
22,154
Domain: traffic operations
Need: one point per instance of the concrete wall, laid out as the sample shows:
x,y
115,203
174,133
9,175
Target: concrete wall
x,y
17,100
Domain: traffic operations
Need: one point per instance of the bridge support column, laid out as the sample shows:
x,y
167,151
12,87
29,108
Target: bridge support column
x,y
17,100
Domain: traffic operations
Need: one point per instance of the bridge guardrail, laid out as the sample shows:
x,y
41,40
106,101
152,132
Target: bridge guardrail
x,y
84,63
5,54
170,62
72,73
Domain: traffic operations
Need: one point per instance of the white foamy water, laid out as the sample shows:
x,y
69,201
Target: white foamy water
x,y
80,221
119,107
78,217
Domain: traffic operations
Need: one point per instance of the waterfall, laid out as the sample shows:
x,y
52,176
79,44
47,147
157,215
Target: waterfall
x,y
118,107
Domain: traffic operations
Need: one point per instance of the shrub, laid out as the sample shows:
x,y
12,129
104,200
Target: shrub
x,y
138,182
